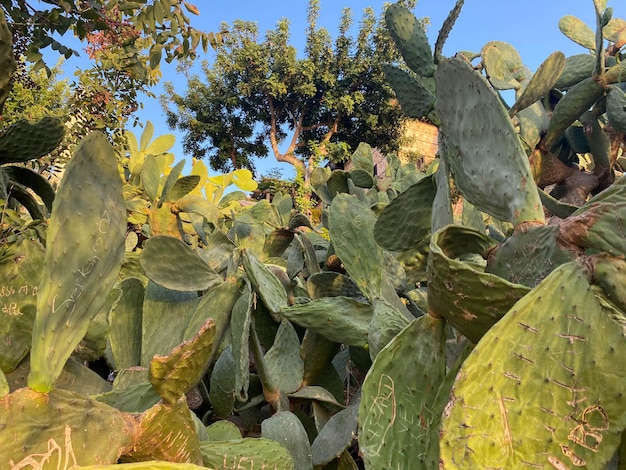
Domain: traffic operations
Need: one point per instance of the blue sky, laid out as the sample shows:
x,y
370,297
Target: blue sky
x,y
531,26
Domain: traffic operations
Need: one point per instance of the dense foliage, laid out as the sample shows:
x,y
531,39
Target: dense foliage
x,y
260,96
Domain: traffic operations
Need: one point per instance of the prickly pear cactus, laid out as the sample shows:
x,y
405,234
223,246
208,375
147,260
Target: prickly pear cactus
x,y
396,409
541,385
492,173
25,140
20,268
85,247
60,429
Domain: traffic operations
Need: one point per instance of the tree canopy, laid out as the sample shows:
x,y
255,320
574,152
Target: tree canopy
x,y
126,41
260,96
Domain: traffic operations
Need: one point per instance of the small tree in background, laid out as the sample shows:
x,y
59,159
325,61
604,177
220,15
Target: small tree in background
x,y
260,96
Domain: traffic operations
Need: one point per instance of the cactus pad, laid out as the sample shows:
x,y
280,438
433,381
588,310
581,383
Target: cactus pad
x,y
174,375
172,264
486,157
541,385
341,319
25,140
249,453
410,39
397,397
471,300
60,429
352,234
20,270
406,221
85,247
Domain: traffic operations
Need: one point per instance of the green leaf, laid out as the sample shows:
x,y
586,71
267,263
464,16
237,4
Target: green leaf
x,y
83,258
125,325
283,362
341,319
172,264
397,399
286,429
336,436
265,283
541,388
249,453
175,374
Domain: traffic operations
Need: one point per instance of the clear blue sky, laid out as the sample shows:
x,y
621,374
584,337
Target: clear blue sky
x,y
531,26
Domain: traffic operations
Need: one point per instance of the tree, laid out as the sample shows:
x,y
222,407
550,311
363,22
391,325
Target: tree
x,y
259,95
125,40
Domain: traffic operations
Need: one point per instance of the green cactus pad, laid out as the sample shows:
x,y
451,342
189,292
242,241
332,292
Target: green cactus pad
x,y
25,140
406,221
249,453
340,319
362,179
125,325
471,300
33,181
133,399
352,234
283,362
396,409
166,433
240,323
446,28
166,316
265,283
598,226
217,304
502,64
616,109
7,61
541,388
608,273
336,436
362,158
486,157
222,384
175,374
150,465
223,430
182,187
410,39
286,429
442,203
578,31
527,258
85,248
75,377
577,100
387,322
60,429
577,68
331,284
20,269
541,82
414,98
172,264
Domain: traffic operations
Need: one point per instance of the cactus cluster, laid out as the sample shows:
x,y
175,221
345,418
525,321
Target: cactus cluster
x,y
467,316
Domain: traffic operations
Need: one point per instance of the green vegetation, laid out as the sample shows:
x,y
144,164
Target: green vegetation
x,y
159,320
321,104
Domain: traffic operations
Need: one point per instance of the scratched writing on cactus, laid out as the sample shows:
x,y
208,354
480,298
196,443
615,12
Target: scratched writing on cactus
x,y
233,462
56,457
86,269
8,293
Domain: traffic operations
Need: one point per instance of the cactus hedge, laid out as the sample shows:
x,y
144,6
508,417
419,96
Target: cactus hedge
x,y
466,315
